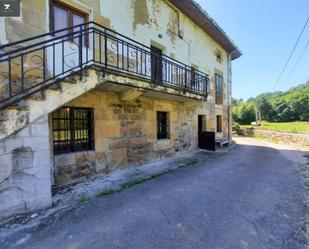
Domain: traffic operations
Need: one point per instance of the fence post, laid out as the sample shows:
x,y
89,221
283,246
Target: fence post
x,y
105,49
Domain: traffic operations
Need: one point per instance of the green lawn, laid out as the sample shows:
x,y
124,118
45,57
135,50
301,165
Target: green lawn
x,y
294,127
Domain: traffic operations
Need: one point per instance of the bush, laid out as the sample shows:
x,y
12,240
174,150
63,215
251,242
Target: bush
x,y
243,130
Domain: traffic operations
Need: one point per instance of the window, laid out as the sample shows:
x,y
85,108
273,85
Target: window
x,y
162,125
219,55
218,79
219,123
63,17
72,130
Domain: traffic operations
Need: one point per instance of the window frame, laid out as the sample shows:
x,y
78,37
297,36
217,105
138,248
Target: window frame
x,y
165,134
69,124
219,90
219,124
71,10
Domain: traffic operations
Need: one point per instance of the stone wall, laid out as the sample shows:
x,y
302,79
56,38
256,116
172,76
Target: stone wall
x,y
126,133
287,138
25,169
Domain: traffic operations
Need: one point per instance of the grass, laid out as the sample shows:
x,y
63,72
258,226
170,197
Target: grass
x,y
290,127
135,182
266,139
108,192
84,198
191,162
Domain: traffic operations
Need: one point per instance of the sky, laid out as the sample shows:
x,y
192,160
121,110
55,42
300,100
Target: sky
x,y
265,31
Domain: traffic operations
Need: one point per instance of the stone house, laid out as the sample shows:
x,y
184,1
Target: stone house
x,y
91,86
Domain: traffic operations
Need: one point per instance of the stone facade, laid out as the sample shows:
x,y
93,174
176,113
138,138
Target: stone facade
x,y
126,133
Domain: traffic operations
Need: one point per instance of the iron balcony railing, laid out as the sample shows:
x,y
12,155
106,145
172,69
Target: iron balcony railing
x,y
30,65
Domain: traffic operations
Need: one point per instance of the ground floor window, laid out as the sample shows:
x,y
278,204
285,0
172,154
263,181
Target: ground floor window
x,y
162,125
72,129
219,123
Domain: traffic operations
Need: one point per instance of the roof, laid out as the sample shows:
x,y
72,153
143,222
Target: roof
x,y
199,16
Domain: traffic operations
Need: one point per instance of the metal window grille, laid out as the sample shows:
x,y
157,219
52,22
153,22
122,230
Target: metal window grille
x,y
72,130
162,125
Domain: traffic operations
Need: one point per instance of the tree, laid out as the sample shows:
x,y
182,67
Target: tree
x,y
292,105
265,108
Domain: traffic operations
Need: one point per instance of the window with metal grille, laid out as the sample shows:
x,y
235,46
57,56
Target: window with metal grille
x,y
162,125
219,123
72,129
218,89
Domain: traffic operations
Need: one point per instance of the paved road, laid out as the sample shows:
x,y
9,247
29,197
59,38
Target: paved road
x,y
249,198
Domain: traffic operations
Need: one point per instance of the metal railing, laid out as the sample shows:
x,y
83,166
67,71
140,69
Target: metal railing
x,y
30,65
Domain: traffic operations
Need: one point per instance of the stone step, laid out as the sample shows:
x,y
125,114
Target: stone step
x,y
70,80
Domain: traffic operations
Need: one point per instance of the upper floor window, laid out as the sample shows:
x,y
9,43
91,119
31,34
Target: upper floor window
x,y
218,55
219,90
64,17
72,129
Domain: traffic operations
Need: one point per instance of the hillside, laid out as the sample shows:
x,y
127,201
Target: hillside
x,y
291,105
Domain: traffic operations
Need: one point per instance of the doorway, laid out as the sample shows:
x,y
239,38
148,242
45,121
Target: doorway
x,y
156,64
206,139
201,123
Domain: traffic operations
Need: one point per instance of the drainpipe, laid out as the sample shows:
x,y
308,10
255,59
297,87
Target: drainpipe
x,y
229,99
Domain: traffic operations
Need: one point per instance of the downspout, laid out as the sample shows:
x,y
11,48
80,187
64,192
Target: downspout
x,y
229,84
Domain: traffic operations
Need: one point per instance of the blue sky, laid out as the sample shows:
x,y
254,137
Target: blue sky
x,y
265,31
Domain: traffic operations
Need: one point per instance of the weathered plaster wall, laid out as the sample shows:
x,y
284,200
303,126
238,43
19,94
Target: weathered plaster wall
x,y
126,133
151,22
25,169
143,20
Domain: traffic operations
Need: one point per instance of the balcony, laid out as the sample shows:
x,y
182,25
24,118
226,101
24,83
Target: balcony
x,y
30,65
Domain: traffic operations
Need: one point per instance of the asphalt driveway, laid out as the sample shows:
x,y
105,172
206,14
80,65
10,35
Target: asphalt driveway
x,y
248,198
